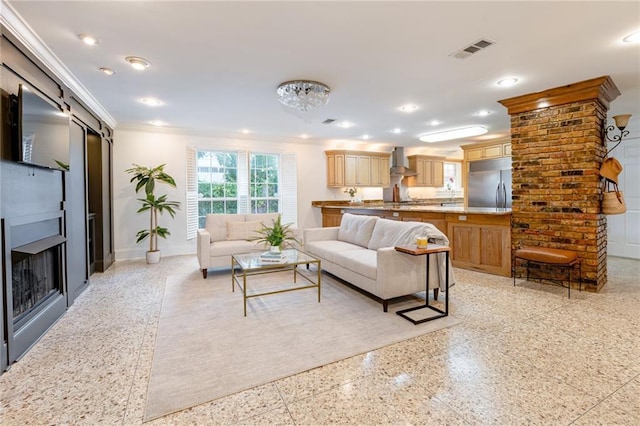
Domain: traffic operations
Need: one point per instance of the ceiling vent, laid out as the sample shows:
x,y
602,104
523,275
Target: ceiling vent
x,y
329,121
472,48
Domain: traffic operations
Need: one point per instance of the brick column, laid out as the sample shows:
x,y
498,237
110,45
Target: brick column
x,y
557,149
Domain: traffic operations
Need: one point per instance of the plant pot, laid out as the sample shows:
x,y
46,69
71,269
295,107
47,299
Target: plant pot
x,y
274,249
153,256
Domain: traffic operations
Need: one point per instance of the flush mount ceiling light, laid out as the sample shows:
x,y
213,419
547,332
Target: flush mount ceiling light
x,y
87,39
245,131
507,82
138,63
151,101
344,124
366,137
303,95
483,113
632,38
408,108
158,123
107,71
434,122
397,130
462,132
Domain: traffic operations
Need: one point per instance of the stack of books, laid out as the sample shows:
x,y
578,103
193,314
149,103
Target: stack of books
x,y
269,257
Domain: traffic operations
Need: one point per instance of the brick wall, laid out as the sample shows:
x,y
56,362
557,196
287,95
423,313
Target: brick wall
x,y
557,151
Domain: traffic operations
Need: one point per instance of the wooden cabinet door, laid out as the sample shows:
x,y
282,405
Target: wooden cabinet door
x,y
375,171
331,170
339,177
481,247
363,171
350,170
385,177
438,173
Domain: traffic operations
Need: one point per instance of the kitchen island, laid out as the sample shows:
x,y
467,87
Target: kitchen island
x,y
480,237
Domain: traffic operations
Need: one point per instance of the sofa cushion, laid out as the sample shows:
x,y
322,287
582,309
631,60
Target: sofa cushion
x,y
356,229
227,248
329,249
361,261
243,230
216,225
391,233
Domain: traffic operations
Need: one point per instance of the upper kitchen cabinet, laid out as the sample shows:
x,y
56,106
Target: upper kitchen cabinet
x,y
430,170
357,168
487,150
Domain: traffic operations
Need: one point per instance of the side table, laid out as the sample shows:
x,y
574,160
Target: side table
x,y
427,252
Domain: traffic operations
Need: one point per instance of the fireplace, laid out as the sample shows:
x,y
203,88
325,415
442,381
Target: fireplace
x,y
34,280
36,277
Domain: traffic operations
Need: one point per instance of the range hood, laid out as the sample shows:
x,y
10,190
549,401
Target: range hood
x,y
398,167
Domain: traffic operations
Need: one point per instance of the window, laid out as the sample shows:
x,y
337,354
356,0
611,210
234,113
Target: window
x,y
239,182
217,183
264,183
452,176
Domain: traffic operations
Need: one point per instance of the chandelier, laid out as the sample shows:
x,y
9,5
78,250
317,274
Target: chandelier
x,y
303,95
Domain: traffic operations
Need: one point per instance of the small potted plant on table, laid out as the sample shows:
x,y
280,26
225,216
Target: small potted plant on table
x,y
276,236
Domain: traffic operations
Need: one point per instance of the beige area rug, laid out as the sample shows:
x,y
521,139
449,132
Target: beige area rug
x,y
206,349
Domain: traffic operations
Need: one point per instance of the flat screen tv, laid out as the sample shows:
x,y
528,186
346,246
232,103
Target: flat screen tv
x,y
42,132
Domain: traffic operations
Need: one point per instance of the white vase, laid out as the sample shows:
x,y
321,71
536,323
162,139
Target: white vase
x,y
153,256
274,249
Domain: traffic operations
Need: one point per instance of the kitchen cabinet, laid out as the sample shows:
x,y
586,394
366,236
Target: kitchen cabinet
x,y
480,242
380,172
335,169
357,168
430,170
485,151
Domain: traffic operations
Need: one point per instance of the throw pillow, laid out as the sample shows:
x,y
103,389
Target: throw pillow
x,y
391,233
243,230
356,229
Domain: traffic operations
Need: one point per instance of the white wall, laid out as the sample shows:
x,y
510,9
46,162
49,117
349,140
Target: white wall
x,y
150,148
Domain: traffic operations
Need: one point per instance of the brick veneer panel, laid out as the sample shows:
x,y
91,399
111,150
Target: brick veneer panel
x,y
556,153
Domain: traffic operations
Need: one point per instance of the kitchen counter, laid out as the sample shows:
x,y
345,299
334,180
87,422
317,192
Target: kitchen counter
x,y
480,237
413,207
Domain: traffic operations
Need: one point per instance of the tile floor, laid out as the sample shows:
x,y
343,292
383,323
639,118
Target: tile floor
x,y
521,355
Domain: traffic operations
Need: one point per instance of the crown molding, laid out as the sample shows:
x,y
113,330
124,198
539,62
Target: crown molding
x,y
15,25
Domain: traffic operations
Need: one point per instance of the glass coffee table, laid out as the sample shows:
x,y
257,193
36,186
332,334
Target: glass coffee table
x,y
249,264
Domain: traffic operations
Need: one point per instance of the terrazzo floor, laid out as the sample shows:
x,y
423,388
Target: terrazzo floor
x,y
521,355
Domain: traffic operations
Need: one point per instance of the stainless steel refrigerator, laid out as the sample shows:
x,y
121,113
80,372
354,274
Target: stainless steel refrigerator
x,y
489,183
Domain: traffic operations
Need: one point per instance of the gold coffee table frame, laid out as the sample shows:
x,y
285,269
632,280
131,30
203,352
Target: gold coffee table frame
x,y
248,264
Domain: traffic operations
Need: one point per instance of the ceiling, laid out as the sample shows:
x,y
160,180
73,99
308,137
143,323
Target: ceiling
x,y
216,65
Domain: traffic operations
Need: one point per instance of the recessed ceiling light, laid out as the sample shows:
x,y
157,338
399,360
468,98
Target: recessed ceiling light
x,y
87,39
434,122
344,124
396,130
138,63
366,137
107,71
304,136
151,101
462,132
245,131
483,113
632,38
506,82
158,123
408,108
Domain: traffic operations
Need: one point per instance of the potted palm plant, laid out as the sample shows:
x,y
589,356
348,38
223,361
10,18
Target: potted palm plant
x,y
146,177
276,236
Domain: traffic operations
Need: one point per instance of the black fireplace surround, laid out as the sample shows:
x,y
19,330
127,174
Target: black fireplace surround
x,y
33,287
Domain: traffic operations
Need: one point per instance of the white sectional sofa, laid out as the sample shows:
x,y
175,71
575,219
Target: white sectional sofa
x,y
361,252
226,234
